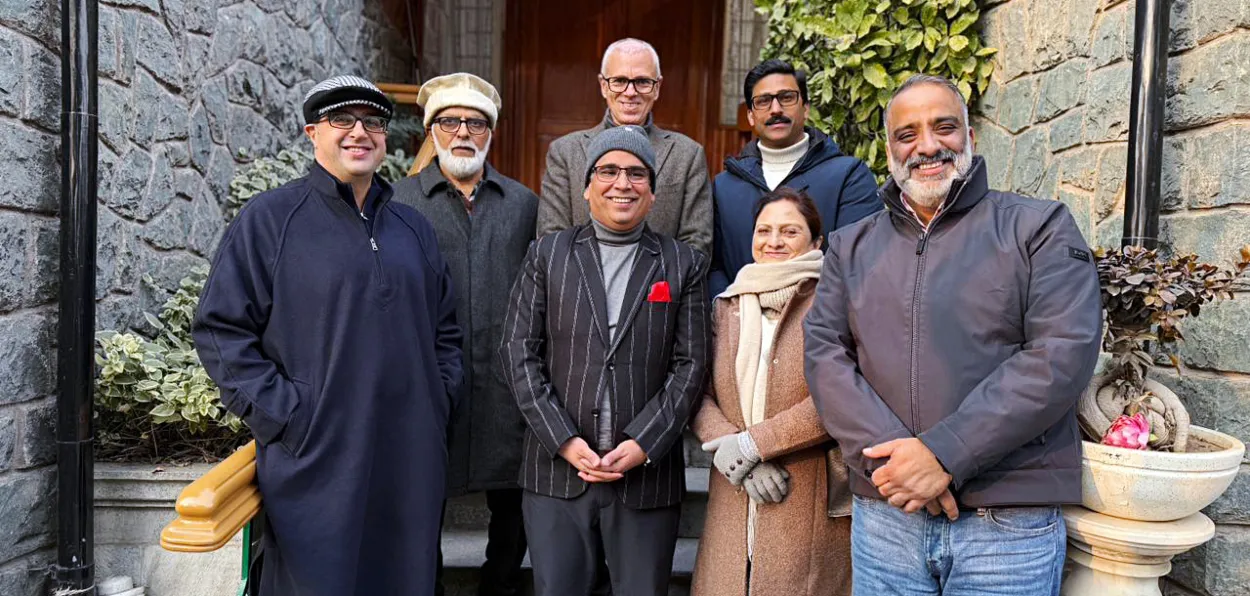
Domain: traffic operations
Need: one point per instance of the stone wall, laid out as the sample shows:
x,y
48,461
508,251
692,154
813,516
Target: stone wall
x,y
1054,124
185,85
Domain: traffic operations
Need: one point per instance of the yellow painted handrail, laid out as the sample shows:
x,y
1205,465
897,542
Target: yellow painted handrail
x,y
401,93
216,506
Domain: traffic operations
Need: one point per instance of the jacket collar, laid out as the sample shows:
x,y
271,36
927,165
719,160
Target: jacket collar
x,y
608,122
965,192
749,163
327,185
586,253
432,181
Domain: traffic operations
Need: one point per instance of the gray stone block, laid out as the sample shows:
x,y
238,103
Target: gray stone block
x,y
302,13
1062,88
289,47
239,34
124,187
38,446
116,113
1012,19
200,139
41,20
187,183
119,312
1207,168
1219,567
207,225
1110,231
27,578
1030,162
195,50
16,268
27,366
987,105
1067,130
1218,338
172,228
158,114
1172,177
12,66
1112,165
1210,83
127,23
116,240
1082,211
1215,235
1195,21
31,172
1016,109
1079,167
995,144
43,88
201,16
220,173
1113,36
213,97
160,189
26,505
251,134
1107,103
1233,507
149,5
8,437
48,257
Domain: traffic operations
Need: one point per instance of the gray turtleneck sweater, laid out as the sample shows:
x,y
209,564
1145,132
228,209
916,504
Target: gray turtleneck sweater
x,y
616,255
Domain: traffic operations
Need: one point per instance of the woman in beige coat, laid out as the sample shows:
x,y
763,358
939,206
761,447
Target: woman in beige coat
x,y
778,514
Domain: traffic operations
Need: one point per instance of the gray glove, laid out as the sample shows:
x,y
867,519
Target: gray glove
x,y
767,483
735,456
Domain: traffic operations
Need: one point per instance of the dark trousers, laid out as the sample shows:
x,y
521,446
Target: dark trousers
x,y
500,575
638,544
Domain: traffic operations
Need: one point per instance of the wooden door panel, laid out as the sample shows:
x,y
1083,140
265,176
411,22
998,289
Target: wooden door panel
x,y
552,56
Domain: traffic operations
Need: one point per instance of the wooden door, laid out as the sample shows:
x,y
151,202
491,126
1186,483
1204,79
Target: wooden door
x,y
552,53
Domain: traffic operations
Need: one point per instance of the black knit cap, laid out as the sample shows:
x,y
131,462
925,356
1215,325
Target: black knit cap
x,y
343,91
627,138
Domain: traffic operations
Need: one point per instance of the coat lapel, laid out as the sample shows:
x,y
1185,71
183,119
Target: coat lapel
x,y
585,251
639,285
662,142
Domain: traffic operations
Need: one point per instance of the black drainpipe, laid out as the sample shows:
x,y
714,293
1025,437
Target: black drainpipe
x,y
1145,131
75,566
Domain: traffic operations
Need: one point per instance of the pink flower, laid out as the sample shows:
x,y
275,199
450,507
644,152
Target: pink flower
x,y
1129,432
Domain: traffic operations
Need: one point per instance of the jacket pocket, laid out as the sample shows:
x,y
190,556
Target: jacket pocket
x,y
1024,521
839,501
295,433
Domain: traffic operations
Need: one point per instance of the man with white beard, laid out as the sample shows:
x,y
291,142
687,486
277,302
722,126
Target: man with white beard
x,y
946,347
484,222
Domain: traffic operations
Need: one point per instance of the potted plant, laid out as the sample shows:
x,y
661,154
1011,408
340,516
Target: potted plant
x,y
1143,460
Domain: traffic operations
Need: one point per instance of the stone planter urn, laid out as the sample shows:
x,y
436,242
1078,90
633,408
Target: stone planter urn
x,y
1141,508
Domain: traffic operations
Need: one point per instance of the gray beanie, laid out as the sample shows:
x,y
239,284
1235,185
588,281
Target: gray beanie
x,y
628,138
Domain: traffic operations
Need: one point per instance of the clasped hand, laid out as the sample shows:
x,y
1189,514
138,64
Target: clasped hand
x,y
609,468
913,479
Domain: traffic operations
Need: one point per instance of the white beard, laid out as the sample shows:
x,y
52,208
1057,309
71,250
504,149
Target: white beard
x,y
461,168
929,193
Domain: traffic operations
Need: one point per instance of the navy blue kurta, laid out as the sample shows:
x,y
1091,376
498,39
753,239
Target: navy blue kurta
x,y
333,335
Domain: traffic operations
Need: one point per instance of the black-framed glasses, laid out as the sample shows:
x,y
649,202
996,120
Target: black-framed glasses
x,y
347,121
451,125
610,173
620,84
786,98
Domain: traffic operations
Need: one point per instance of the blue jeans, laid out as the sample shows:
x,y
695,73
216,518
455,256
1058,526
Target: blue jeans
x,y
1012,551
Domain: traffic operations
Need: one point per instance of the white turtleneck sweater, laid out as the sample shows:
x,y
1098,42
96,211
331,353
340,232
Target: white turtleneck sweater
x,y
777,163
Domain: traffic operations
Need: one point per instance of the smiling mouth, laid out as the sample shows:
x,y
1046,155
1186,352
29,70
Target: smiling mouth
x,y
358,151
930,168
622,200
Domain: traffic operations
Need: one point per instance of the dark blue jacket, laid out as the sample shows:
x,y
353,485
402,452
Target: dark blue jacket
x,y
841,185
334,338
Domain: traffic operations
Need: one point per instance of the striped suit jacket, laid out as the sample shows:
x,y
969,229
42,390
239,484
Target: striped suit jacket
x,y
556,351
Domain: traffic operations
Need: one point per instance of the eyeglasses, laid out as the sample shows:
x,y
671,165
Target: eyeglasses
x,y
450,125
620,84
347,121
785,98
610,173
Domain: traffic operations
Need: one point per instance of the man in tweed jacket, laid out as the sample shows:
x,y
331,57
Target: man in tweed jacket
x,y
630,80
605,348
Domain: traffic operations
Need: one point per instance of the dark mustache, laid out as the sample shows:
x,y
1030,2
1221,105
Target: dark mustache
x,y
778,119
942,155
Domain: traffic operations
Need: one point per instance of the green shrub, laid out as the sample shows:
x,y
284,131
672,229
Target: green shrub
x,y
857,52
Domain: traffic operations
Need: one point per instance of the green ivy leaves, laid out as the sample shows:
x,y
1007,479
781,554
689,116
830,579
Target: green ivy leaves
x,y
857,52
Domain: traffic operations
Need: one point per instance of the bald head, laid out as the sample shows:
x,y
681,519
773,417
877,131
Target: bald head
x,y
630,46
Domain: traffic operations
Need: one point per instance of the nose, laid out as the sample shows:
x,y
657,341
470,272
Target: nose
x,y
622,181
774,107
927,143
463,131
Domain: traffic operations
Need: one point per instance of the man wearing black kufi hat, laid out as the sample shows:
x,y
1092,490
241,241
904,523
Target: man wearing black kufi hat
x,y
328,321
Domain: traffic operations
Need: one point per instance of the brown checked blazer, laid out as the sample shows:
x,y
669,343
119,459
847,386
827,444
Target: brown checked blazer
x,y
556,353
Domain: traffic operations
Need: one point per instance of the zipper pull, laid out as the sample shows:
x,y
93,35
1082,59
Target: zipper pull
x,y
921,242
373,243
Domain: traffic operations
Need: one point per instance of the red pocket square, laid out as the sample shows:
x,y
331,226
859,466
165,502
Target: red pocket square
x,y
659,292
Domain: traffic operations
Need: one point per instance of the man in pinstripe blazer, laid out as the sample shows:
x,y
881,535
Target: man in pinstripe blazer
x,y
605,348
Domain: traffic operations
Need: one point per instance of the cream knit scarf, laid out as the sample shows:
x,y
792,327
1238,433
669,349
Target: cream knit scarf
x,y
763,290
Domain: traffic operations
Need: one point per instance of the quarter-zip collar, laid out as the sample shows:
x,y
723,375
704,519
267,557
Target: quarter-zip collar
x,y
608,122
326,184
964,194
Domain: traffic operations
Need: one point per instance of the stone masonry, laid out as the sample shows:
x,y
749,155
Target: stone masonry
x,y
1054,124
185,86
